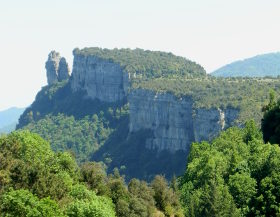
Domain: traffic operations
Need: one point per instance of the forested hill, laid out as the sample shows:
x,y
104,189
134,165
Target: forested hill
x,y
146,63
258,66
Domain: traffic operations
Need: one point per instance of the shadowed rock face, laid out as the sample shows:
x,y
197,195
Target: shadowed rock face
x,y
101,79
57,68
63,70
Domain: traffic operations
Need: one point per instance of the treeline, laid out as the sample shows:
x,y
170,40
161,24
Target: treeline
x,y
35,181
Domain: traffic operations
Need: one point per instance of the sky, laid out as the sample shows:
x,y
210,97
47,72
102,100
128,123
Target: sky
x,y
210,32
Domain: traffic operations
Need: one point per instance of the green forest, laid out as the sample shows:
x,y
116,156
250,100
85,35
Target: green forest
x,y
237,174
36,181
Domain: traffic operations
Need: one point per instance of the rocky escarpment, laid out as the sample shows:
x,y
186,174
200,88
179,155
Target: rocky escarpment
x,y
175,122
57,68
99,78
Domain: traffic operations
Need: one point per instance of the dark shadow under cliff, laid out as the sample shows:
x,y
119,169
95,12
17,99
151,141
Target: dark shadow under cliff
x,y
128,153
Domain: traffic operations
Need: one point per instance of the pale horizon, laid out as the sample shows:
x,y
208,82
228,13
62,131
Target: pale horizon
x,y
211,33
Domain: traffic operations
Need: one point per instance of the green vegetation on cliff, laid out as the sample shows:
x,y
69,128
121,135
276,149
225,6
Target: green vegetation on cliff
x,y
246,94
147,63
70,122
65,133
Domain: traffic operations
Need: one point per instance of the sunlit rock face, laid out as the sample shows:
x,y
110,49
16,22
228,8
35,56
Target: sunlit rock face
x,y
57,68
174,122
52,67
100,79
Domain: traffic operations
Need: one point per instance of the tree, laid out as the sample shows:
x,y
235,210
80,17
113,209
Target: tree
x,y
271,121
243,189
86,204
95,176
235,175
23,203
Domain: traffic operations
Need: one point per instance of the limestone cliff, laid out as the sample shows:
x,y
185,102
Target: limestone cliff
x,y
100,79
56,67
175,122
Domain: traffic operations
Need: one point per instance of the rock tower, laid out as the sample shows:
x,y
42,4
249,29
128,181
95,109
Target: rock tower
x,y
57,68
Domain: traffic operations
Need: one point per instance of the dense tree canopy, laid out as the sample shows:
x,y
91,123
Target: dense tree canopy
x,y
82,137
35,181
236,175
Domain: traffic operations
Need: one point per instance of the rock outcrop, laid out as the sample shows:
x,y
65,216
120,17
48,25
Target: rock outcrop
x,y
57,68
52,67
63,70
100,78
175,122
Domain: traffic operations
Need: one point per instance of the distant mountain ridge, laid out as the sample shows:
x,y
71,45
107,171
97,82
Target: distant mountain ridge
x,y
257,66
9,119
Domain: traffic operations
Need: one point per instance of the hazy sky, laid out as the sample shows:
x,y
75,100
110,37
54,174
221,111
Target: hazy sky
x,y
210,32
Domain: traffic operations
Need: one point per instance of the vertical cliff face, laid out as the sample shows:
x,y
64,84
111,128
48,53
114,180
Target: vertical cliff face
x,y
169,118
174,122
100,79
